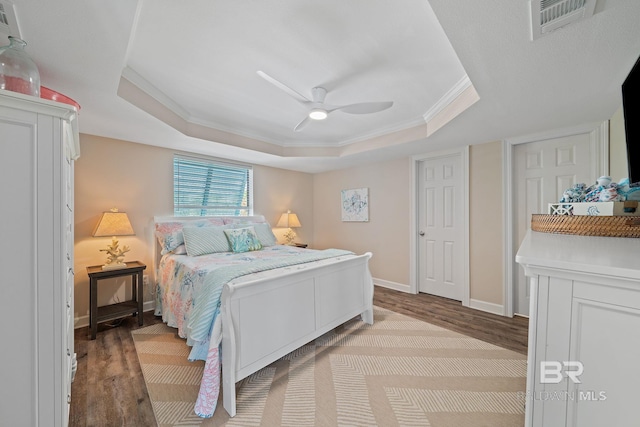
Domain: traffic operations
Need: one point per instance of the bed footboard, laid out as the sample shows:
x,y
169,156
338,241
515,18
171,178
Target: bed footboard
x,y
263,320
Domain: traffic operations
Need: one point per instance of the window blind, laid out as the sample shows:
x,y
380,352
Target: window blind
x,y
203,188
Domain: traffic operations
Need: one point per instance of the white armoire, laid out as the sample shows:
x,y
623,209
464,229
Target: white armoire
x,y
38,143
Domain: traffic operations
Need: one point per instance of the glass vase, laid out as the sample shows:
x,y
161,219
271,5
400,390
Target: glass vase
x,y
18,72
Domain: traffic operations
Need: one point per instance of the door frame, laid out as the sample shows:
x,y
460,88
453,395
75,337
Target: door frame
x,y
463,152
599,139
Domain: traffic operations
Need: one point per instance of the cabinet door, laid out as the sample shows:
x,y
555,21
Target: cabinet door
x,y
20,293
604,341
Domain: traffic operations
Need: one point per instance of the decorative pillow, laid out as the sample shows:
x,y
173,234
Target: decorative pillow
x,y
243,239
169,234
244,220
180,250
265,234
205,240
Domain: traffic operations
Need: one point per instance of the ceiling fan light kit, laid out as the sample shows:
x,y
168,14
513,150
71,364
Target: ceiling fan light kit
x,y
318,109
318,114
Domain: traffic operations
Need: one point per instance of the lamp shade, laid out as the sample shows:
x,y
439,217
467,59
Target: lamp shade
x,y
289,220
114,223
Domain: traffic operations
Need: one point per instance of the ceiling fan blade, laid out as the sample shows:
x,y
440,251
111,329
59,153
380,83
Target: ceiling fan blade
x,y
302,124
365,107
283,87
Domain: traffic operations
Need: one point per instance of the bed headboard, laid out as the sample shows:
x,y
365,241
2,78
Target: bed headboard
x,y
157,250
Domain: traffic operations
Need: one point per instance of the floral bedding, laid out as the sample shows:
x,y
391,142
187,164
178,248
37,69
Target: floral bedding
x,y
188,298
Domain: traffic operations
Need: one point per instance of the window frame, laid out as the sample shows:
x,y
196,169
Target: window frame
x,y
218,167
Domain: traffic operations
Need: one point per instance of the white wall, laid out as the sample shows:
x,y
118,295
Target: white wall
x,y
386,234
485,223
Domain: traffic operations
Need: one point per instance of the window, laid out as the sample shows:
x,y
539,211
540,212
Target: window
x,y
203,188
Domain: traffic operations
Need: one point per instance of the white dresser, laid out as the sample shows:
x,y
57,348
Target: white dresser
x,y
38,143
584,330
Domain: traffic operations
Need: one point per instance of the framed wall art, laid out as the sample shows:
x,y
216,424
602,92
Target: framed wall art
x,y
355,205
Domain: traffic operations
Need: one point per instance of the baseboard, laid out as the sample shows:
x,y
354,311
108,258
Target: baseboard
x,y
392,285
489,307
149,306
82,321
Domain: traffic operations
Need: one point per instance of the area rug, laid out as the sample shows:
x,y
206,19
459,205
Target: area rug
x,y
398,371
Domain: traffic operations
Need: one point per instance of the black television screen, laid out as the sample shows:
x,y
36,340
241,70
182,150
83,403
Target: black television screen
x,y
631,109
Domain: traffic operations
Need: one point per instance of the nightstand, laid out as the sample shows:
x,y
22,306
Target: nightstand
x,y
121,309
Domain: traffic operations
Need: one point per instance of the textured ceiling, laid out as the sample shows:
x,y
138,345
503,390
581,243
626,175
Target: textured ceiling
x,y
183,74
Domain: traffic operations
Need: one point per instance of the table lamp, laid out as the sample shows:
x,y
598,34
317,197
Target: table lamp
x,y
114,223
289,220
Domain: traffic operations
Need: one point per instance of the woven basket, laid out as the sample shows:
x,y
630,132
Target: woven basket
x,y
584,225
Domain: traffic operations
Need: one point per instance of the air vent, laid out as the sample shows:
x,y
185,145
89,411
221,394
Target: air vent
x,y
8,22
549,15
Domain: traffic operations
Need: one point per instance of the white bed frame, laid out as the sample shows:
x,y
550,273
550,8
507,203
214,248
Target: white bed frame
x,y
265,319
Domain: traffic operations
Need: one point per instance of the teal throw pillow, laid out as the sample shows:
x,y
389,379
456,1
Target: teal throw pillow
x,y
243,239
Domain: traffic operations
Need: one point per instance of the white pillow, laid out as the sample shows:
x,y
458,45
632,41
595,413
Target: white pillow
x,y
265,234
205,240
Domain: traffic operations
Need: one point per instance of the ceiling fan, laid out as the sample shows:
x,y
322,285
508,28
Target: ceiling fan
x,y
318,110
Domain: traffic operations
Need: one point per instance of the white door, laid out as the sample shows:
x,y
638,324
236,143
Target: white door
x,y
440,226
542,171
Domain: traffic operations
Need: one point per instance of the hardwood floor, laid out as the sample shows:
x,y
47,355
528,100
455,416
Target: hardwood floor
x,y
511,333
109,389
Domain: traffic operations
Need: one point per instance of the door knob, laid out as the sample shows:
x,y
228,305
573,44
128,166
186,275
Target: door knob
x,y
421,233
